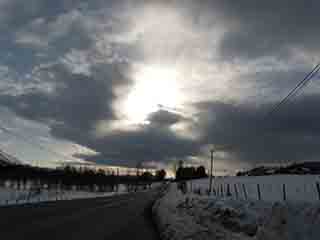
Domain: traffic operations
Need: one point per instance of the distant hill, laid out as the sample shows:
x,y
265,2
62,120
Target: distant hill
x,y
296,168
6,159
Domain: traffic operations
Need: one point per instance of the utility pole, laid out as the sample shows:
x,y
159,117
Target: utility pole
x,y
211,171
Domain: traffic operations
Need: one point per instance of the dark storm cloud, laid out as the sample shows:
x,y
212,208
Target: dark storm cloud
x,y
152,142
78,101
269,28
16,13
252,30
289,135
164,118
38,31
272,83
17,20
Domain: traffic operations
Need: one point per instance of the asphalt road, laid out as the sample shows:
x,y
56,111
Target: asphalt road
x,y
126,216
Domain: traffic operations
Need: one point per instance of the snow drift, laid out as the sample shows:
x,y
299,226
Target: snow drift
x,y
201,217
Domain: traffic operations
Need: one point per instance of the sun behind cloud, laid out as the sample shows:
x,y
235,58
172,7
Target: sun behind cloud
x,y
154,86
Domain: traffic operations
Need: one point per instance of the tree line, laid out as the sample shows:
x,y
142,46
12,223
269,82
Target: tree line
x,y
188,173
74,178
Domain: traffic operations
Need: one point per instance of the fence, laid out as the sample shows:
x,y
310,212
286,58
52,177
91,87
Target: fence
x,y
265,188
13,192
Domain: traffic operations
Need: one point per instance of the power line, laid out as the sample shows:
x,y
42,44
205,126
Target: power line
x,y
294,91
299,86
306,83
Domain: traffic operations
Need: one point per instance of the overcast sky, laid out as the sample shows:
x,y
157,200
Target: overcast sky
x,y
122,82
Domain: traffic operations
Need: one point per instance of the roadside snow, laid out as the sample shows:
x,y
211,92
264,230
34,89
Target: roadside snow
x,y
302,188
9,196
13,195
174,223
201,217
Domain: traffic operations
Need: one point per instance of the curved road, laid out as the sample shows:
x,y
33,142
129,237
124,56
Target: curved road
x,y
126,216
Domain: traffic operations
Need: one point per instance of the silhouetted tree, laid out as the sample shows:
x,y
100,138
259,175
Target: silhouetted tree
x,y
161,174
186,173
146,176
68,177
201,172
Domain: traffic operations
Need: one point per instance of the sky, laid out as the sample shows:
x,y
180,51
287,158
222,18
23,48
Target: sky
x,y
154,82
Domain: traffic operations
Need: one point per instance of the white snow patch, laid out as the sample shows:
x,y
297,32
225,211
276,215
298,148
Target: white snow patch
x,y
9,196
192,216
302,188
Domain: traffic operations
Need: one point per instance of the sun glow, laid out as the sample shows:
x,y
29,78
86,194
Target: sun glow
x,y
154,86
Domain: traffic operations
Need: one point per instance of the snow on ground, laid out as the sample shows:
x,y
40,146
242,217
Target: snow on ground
x,y
296,187
9,196
12,195
192,216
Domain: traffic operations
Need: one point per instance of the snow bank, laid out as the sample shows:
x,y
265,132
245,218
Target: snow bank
x,y
201,217
174,223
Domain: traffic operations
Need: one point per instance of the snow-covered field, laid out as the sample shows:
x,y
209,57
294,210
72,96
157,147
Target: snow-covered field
x,y
13,195
9,196
193,216
272,188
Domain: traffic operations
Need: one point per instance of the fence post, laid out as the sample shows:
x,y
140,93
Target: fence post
x,y
284,192
259,192
236,190
244,192
228,190
318,189
221,188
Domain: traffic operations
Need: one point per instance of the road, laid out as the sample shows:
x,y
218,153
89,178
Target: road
x,y
126,216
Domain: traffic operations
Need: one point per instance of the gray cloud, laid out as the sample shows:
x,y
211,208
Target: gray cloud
x,y
78,101
68,60
258,29
269,28
152,142
17,13
164,118
245,131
